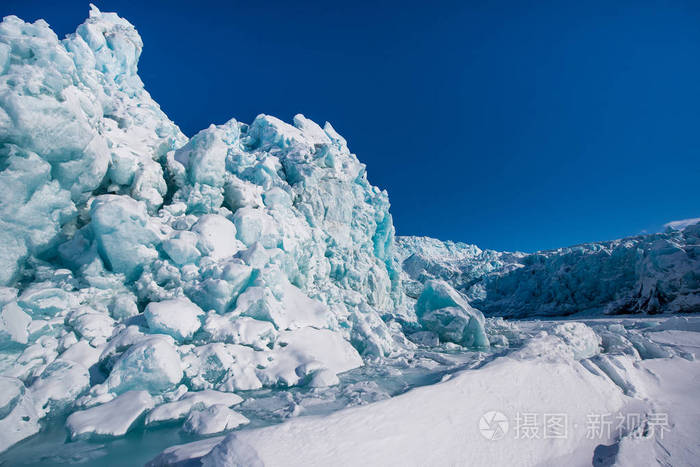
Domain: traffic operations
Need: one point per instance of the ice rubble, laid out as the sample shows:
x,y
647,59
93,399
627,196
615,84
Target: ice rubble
x,y
658,273
138,264
564,367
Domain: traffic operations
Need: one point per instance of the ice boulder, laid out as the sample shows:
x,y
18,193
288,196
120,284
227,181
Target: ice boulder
x,y
18,417
220,285
298,355
182,247
14,324
443,310
114,418
583,340
124,235
199,400
179,318
59,385
243,330
152,364
212,420
216,236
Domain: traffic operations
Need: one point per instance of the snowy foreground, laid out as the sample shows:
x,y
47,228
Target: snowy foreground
x,y
604,391
564,400
243,289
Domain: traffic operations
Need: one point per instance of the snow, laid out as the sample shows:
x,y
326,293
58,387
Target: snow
x,y
557,379
180,408
212,420
179,318
114,418
681,224
152,364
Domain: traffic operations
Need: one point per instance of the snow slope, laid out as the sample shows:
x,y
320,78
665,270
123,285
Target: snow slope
x,y
620,406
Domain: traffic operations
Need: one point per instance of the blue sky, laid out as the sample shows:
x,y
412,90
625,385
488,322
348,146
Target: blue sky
x,y
512,125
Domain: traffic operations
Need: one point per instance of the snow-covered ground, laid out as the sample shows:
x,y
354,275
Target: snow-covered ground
x,y
604,391
558,400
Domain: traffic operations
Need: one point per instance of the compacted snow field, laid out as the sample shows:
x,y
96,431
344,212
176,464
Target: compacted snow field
x,y
240,298
602,391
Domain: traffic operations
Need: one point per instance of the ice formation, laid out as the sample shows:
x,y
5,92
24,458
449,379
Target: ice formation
x,y
148,279
658,273
138,263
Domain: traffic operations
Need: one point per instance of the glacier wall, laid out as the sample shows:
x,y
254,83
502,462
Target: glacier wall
x,y
657,273
140,267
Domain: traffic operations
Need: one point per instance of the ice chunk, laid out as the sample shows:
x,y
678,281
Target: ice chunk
x,y
217,236
299,354
182,247
323,378
125,238
152,364
226,367
212,420
180,408
59,386
444,311
84,353
221,285
291,309
18,418
179,318
114,418
204,156
583,340
43,300
14,323
123,307
242,330
90,324
254,225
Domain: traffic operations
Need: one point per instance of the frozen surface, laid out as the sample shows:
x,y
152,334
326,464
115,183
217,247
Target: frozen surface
x,y
113,418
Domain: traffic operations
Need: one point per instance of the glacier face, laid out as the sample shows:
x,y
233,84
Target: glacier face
x,y
140,266
657,273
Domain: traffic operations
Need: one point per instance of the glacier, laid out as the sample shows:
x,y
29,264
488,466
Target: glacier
x,y
649,274
170,288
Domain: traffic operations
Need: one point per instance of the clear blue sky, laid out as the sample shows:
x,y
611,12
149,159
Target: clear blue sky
x,y
512,125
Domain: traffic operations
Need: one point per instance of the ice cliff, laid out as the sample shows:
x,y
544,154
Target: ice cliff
x,y
657,273
139,266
